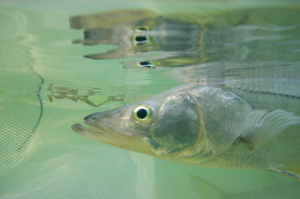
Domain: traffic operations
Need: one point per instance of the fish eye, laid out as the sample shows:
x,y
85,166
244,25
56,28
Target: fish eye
x,y
146,64
143,114
142,39
141,29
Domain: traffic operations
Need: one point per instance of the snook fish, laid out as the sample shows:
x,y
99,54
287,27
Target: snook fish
x,y
208,126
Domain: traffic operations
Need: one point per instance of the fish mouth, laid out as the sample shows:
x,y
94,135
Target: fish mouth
x,y
95,133
102,132
94,126
102,129
107,136
79,129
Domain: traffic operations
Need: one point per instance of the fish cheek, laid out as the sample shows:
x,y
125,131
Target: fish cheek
x,y
176,127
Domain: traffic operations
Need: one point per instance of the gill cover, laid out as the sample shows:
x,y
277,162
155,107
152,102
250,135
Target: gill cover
x,y
176,125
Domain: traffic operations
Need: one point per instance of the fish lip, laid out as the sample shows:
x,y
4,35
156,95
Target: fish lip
x,y
99,128
108,131
94,126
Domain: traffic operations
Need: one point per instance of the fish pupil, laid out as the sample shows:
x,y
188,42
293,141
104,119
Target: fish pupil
x,y
142,113
142,29
140,38
147,64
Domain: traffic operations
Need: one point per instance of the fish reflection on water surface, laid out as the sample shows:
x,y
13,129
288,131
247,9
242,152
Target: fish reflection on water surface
x,y
186,39
249,121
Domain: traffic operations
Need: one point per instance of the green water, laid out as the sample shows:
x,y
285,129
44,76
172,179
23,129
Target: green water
x,y
46,85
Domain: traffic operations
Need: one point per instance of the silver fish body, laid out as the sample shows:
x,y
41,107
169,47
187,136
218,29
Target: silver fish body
x,y
208,126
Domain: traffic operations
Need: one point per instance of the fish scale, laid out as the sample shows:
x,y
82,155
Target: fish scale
x,y
269,94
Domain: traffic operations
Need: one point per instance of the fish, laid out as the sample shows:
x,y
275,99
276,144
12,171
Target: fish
x,y
229,126
268,187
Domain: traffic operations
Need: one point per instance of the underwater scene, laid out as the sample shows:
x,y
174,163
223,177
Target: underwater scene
x,y
149,99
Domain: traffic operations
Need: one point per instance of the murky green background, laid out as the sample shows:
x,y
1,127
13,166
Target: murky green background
x,y
40,156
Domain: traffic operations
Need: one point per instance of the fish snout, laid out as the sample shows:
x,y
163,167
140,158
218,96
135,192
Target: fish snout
x,y
90,118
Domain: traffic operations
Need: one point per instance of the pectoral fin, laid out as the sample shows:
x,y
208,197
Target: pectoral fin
x,y
260,126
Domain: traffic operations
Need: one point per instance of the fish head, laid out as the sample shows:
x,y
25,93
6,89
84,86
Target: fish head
x,y
159,126
138,33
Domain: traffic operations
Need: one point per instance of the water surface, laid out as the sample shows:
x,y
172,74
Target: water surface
x,y
47,83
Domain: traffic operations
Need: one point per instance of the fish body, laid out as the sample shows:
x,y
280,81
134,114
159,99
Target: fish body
x,y
207,126
249,122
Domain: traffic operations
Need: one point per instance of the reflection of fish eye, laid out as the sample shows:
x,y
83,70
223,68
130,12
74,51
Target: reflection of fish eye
x,y
142,29
143,114
146,64
140,39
